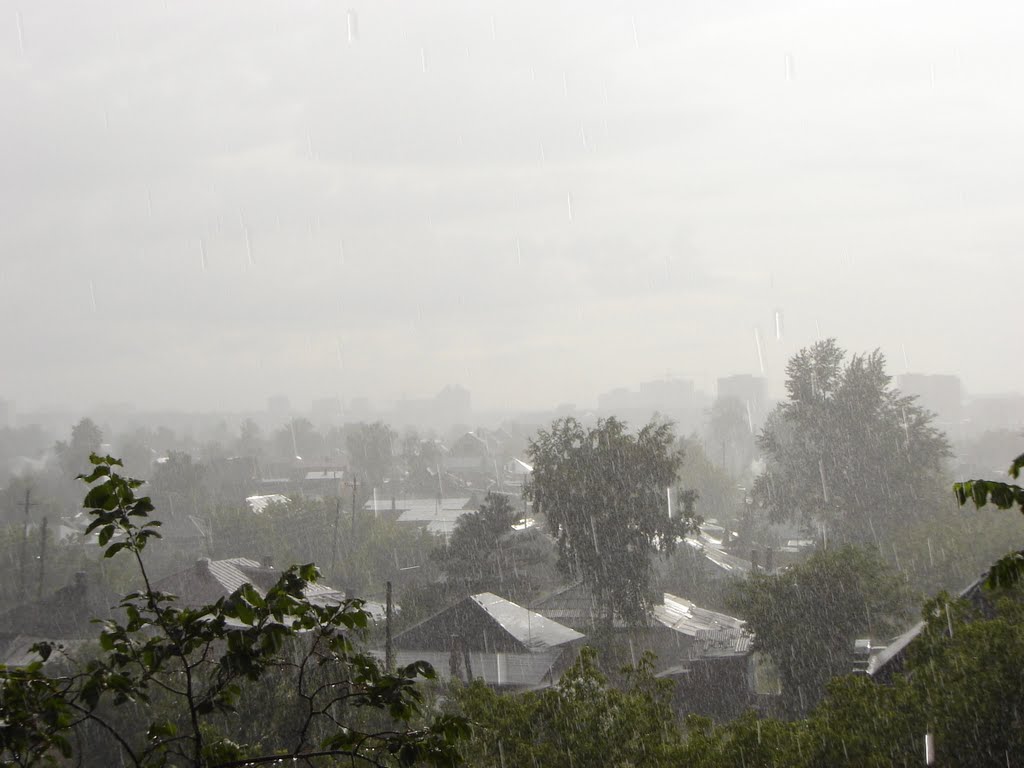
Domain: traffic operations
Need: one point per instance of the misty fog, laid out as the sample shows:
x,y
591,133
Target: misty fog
x,y
565,339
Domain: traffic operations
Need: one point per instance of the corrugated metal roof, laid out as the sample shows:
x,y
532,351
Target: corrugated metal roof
x,y
259,504
531,629
684,616
722,642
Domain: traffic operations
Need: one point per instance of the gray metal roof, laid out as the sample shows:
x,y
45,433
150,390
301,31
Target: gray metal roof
x,y
530,628
685,617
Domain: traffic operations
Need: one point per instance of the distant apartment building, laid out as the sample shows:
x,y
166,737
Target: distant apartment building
x,y
674,398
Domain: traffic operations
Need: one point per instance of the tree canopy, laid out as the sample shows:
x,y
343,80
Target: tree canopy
x,y
604,492
847,453
808,617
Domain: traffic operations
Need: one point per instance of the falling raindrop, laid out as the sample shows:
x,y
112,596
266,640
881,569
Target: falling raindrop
x,y
92,294
636,38
423,59
202,254
760,353
543,155
494,28
568,199
519,252
778,325
565,85
21,32
353,26
149,202
583,136
248,247
790,71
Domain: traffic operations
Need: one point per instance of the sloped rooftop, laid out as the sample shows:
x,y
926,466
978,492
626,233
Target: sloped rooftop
x,y
531,629
686,617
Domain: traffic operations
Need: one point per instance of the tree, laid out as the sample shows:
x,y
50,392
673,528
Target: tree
x,y
603,491
86,439
583,721
181,674
298,439
808,617
1008,569
178,486
484,553
371,451
731,436
848,453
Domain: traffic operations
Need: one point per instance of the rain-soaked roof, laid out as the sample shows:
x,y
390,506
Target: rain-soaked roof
x,y
209,580
684,616
259,504
530,628
488,623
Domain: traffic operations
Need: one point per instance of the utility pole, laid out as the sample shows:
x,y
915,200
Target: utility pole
x,y
389,654
42,560
334,548
24,545
355,482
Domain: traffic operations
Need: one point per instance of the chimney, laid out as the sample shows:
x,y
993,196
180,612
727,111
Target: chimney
x,y
769,560
203,564
754,561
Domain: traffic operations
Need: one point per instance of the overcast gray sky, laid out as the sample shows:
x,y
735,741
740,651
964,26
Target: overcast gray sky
x,y
208,203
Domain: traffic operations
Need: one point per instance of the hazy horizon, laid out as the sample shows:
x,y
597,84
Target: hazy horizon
x,y
211,204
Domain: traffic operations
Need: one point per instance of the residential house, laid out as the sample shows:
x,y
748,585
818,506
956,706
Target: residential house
x,y
489,638
708,654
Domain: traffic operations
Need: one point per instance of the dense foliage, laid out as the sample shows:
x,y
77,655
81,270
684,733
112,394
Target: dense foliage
x,y
846,454
582,721
604,491
485,554
184,674
808,617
